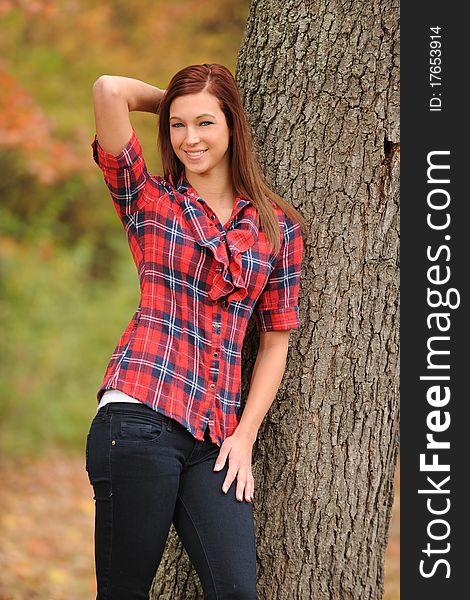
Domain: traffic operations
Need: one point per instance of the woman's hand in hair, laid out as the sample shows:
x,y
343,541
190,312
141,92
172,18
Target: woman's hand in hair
x,y
237,449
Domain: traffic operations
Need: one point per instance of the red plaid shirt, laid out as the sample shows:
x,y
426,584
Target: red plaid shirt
x,y
200,281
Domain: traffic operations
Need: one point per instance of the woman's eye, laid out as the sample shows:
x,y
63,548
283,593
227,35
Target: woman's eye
x,y
202,122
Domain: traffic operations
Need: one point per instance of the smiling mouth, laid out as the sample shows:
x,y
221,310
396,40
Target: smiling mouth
x,y
195,154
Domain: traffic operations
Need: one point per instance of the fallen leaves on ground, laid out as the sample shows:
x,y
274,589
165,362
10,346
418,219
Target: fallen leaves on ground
x,y
46,528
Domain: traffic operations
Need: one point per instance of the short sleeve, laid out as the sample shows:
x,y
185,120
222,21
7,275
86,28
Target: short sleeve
x,y
125,175
277,307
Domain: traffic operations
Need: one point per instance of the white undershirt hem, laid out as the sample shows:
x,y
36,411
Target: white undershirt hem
x,y
115,396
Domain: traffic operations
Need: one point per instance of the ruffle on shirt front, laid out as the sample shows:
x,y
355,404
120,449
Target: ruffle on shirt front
x,y
227,247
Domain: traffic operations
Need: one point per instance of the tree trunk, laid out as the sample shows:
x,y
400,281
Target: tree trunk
x,y
320,85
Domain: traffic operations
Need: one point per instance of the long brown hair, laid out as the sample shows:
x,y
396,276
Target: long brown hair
x,y
247,176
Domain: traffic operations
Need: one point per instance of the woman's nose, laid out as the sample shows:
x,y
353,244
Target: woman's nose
x,y
192,138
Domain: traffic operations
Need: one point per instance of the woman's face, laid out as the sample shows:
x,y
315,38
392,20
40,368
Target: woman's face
x,y
197,123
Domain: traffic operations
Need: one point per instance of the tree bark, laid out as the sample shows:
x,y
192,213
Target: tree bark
x,y
320,84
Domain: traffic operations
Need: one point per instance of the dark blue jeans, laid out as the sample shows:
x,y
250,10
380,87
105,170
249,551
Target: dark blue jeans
x,y
148,471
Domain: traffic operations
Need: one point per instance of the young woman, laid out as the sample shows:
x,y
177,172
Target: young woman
x,y
212,245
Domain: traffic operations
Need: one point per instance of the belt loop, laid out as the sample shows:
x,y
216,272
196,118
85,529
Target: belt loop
x,y
168,423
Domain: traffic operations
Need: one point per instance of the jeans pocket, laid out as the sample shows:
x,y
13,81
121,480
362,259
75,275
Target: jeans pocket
x,y
138,429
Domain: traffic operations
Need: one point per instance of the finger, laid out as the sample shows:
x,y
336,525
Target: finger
x,y
249,488
231,474
241,483
220,461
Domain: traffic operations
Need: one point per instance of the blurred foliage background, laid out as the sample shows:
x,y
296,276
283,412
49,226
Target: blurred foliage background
x,y
68,285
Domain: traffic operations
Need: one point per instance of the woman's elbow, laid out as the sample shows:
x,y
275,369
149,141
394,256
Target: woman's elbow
x,y
274,339
105,85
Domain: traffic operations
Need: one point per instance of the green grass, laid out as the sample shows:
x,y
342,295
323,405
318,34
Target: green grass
x,y
59,329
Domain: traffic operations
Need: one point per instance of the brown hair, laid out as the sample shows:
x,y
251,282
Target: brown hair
x,y
247,175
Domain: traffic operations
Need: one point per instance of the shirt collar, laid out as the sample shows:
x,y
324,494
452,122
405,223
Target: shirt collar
x,y
227,247
184,187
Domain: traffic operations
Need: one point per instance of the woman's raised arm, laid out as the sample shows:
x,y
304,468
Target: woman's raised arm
x,y
113,98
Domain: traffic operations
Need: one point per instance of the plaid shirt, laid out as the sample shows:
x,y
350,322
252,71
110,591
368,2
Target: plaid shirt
x,y
200,281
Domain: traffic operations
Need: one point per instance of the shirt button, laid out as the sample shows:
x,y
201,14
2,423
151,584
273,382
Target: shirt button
x,y
212,217
215,354
212,385
219,269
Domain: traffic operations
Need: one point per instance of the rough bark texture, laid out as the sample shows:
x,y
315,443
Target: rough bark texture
x,y
320,85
